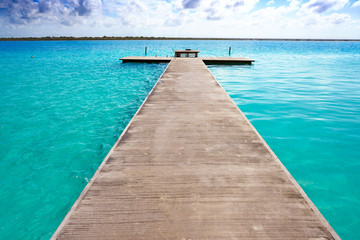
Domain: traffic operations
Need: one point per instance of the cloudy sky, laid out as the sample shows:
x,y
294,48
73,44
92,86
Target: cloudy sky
x,y
181,18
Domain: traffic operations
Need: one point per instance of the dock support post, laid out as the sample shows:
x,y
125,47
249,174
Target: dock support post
x,y
145,50
229,50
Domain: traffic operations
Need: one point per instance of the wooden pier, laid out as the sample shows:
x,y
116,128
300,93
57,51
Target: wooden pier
x,y
191,166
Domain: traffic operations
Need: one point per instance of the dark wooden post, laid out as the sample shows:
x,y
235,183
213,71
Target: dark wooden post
x,y
145,50
229,50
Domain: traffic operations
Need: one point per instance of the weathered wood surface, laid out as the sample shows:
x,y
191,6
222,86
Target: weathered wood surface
x,y
226,60
146,59
191,166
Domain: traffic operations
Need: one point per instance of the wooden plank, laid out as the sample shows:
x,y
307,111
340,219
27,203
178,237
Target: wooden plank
x,y
191,166
146,59
207,60
226,60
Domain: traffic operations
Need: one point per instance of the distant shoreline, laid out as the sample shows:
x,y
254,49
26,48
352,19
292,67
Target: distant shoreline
x,y
166,38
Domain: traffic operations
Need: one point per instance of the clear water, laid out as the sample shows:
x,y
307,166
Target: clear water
x,y
62,110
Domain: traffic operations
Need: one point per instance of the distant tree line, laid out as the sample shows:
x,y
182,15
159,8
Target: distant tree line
x,y
64,38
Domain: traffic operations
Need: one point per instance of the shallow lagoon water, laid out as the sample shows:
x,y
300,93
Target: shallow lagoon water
x,y
63,109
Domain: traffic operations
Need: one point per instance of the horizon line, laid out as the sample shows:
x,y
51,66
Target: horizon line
x,y
52,38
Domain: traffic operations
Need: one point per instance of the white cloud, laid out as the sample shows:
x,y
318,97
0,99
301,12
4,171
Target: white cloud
x,y
218,9
325,21
320,6
23,12
313,13
270,2
356,4
337,18
194,18
275,16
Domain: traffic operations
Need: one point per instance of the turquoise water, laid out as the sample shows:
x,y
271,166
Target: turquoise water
x,y
62,110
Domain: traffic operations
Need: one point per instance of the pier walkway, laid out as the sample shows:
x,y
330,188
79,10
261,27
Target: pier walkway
x,y
190,166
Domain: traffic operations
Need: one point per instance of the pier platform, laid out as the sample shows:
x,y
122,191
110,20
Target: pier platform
x,y
206,60
146,59
191,166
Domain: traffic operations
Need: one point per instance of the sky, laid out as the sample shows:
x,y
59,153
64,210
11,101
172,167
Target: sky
x,y
335,19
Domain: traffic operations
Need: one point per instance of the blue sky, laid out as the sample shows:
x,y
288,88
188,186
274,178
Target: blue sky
x,y
182,18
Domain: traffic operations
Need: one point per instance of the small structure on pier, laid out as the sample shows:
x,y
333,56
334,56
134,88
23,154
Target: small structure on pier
x,y
187,53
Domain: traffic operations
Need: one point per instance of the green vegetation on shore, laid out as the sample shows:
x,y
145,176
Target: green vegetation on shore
x,y
63,38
